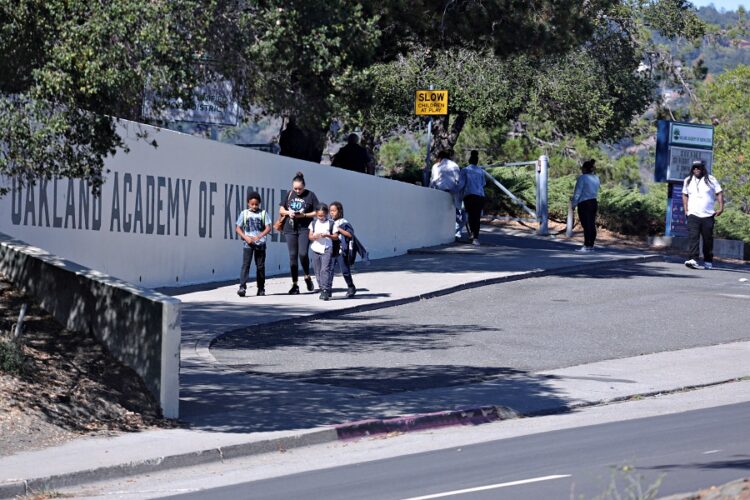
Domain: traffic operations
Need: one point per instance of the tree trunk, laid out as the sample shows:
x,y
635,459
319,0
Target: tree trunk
x,y
445,134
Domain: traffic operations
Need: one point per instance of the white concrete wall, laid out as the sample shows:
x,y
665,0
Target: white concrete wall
x,y
196,243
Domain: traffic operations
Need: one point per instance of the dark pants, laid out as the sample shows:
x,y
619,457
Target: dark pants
x,y
260,265
297,244
474,205
323,265
701,227
587,214
346,271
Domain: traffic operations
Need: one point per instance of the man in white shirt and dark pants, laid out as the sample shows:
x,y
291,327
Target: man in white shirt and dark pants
x,y
700,192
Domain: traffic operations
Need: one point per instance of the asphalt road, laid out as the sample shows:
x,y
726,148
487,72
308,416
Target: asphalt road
x,y
676,453
495,331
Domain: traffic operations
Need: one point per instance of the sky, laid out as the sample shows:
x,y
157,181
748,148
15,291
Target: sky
x,y
722,4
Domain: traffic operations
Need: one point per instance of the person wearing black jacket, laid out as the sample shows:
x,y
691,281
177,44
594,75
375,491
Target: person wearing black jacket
x,y
353,156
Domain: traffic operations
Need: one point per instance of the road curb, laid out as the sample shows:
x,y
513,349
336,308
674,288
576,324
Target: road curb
x,y
158,464
408,423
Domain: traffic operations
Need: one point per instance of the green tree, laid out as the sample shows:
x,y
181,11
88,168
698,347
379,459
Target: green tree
x,y
69,67
490,83
726,102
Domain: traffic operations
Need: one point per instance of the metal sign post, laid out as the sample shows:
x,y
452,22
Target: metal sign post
x,y
542,209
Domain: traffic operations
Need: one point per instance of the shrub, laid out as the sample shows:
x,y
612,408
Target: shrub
x,y
401,160
623,210
631,212
733,224
11,358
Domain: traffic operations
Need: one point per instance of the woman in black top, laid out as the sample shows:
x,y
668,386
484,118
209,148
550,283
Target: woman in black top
x,y
299,206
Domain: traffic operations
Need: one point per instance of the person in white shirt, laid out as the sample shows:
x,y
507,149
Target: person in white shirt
x,y
322,234
700,192
445,176
584,197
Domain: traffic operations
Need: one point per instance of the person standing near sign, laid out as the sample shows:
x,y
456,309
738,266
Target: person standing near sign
x,y
700,192
299,207
445,176
584,197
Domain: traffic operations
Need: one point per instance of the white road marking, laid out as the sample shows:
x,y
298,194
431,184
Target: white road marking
x,y
711,452
735,295
489,487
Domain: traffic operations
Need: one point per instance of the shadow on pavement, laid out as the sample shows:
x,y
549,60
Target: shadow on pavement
x,y
235,402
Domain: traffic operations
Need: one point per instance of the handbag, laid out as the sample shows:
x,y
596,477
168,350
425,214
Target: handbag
x,y
278,225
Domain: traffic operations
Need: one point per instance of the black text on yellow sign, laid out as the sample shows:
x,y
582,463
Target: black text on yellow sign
x,y
431,102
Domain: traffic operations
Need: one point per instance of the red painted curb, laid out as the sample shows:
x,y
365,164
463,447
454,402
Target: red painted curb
x,y
408,423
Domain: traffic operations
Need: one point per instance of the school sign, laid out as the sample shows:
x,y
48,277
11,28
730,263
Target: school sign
x,y
678,145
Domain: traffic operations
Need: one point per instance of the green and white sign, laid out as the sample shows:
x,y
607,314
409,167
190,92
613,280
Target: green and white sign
x,y
697,136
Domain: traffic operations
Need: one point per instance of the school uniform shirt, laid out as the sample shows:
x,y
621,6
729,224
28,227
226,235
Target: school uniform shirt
x,y
305,202
587,188
472,181
252,224
321,227
701,195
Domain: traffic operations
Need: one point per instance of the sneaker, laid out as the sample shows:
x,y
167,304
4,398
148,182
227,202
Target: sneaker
x,y
708,265
294,290
261,292
350,292
241,292
584,249
475,242
692,264
309,284
325,296
458,235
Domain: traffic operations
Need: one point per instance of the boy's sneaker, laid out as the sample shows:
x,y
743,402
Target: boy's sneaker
x,y
708,265
325,296
692,264
261,292
294,290
309,283
350,292
475,242
584,249
241,292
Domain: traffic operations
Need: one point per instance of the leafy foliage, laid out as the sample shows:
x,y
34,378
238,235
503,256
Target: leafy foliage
x,y
727,102
67,68
401,160
733,224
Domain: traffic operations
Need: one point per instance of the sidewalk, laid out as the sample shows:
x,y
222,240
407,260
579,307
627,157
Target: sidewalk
x,y
230,413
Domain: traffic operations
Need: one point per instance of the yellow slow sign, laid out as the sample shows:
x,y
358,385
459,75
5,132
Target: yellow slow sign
x,y
431,102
